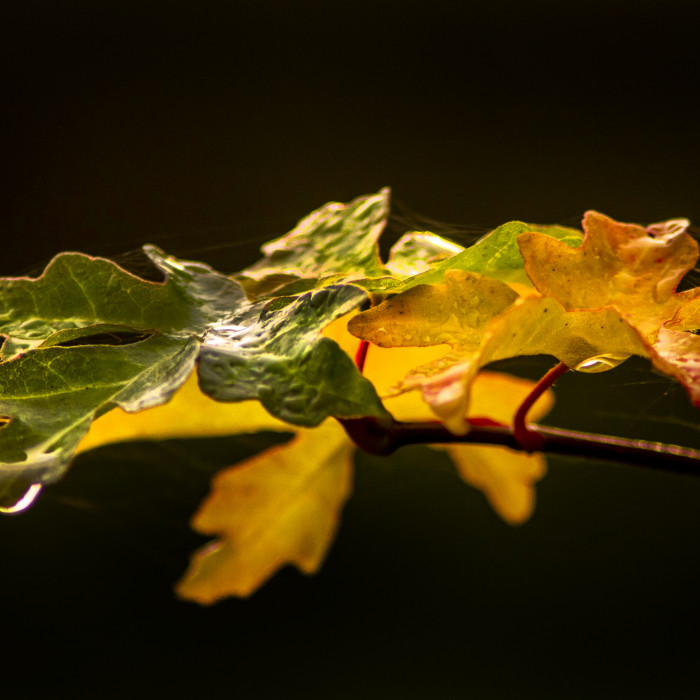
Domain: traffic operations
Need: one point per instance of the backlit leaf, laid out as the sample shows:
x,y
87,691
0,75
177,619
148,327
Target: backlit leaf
x,y
635,270
496,255
480,334
77,291
455,313
51,396
280,507
335,239
632,268
418,251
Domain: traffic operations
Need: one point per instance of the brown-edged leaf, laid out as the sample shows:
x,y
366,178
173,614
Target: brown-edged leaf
x,y
634,269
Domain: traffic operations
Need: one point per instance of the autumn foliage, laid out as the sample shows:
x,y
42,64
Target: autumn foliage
x,y
93,354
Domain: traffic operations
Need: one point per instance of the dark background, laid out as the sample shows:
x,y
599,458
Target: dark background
x,y
208,128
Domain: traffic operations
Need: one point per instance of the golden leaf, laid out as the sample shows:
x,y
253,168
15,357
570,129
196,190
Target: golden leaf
x,y
455,313
507,478
189,413
279,507
283,505
530,326
634,269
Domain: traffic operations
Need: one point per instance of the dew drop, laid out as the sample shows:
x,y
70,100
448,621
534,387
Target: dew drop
x,y
600,363
23,502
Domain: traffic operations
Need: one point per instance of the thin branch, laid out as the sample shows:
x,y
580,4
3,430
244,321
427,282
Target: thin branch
x,y
385,436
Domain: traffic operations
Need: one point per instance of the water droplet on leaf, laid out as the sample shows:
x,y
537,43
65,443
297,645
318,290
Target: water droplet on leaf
x,y
600,363
24,501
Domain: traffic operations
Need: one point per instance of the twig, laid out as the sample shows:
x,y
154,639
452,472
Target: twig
x,y
383,437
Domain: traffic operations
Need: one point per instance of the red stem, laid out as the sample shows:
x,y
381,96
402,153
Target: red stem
x,y
361,354
531,440
383,436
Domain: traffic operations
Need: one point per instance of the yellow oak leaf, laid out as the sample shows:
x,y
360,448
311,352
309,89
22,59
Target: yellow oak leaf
x,y
455,313
632,268
282,506
635,270
189,413
506,477
488,331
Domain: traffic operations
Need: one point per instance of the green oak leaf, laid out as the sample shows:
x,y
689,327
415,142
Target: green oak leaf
x,y
277,355
87,336
496,255
335,239
77,291
51,395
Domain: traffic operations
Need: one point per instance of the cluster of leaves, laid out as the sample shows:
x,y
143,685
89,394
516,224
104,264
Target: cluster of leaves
x,y
93,354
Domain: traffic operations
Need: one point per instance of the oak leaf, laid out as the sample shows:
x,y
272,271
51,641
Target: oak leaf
x,y
276,354
455,313
495,255
337,239
634,270
482,320
282,506
419,251
189,413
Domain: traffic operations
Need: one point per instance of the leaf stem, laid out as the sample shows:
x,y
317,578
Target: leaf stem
x,y
361,355
531,440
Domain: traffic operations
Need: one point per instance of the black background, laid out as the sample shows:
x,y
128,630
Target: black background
x,y
208,128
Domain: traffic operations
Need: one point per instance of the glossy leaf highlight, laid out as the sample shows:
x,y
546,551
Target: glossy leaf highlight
x,y
280,358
